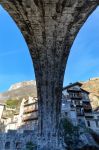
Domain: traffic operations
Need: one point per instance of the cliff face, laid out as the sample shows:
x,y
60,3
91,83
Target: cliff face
x,y
92,86
13,97
20,90
22,84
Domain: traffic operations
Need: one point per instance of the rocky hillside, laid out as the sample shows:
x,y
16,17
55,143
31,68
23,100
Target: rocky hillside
x,y
92,86
20,90
13,97
22,84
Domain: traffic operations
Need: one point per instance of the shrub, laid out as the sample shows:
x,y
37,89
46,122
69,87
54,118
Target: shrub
x,y
12,103
31,146
70,133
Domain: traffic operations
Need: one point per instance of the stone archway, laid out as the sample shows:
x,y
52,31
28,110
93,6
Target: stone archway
x,y
49,28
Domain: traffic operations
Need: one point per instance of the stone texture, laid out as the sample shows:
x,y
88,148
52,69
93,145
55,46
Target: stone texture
x,y
16,141
49,28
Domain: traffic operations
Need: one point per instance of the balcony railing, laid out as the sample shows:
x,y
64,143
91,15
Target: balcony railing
x,y
29,104
87,107
29,119
76,97
78,105
80,114
89,115
30,111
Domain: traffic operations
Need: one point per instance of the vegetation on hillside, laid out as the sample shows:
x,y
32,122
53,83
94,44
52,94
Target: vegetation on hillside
x,y
12,107
31,146
70,133
20,93
72,136
13,103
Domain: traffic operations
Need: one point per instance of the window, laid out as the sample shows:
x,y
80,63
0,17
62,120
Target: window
x,y
81,122
31,146
66,113
97,123
7,145
18,145
36,106
88,122
77,102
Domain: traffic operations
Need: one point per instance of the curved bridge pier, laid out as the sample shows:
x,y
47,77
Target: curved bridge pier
x,y
49,28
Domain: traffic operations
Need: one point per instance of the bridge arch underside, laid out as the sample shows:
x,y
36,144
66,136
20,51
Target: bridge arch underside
x,y
49,28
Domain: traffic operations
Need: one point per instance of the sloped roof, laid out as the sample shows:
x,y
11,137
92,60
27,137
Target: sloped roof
x,y
73,84
85,91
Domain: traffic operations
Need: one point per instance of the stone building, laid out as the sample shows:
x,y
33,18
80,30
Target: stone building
x,y
25,119
2,106
77,107
73,95
30,113
10,123
93,121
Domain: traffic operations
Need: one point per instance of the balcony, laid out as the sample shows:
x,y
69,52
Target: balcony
x,y
80,111
29,104
80,114
75,96
78,105
26,119
30,111
87,108
89,115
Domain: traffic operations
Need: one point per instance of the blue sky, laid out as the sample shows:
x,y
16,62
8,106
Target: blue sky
x,y
15,61
16,64
83,62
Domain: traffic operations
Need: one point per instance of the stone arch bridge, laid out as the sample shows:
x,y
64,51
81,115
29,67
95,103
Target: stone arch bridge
x,y
49,28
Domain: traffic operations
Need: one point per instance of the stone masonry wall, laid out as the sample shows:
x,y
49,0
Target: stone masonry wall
x,y
16,141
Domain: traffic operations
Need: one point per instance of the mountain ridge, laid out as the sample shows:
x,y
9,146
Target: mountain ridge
x,y
22,84
19,91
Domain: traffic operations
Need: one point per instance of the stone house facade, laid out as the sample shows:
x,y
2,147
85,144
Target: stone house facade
x,y
77,107
2,106
30,113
